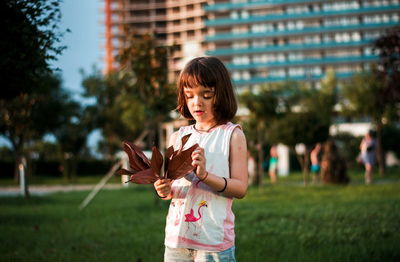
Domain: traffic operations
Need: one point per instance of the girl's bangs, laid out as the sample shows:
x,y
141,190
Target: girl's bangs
x,y
191,79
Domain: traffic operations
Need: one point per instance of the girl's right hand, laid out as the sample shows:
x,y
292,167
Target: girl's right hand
x,y
163,187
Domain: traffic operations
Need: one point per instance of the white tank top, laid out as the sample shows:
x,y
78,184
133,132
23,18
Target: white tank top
x,y
199,217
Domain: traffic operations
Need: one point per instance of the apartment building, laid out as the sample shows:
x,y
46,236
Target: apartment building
x,y
260,41
172,22
264,41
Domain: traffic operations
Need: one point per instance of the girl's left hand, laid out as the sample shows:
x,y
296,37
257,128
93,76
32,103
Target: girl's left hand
x,y
199,161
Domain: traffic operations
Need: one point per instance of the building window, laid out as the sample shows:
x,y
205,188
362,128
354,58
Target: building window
x,y
239,29
372,35
355,36
246,75
278,73
340,6
190,7
295,56
376,19
297,71
280,57
367,51
312,39
236,75
260,58
342,37
234,15
297,9
240,44
241,60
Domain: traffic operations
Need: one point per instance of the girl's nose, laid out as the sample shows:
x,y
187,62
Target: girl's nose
x,y
197,100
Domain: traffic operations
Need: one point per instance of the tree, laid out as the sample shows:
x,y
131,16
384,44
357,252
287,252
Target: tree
x,y
29,42
268,106
29,117
292,113
131,103
363,96
107,112
72,135
262,106
388,49
388,71
148,62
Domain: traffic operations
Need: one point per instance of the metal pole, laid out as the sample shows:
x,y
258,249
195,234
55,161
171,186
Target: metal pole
x,y
22,180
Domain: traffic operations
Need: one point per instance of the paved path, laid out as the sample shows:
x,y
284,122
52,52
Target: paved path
x,y
48,189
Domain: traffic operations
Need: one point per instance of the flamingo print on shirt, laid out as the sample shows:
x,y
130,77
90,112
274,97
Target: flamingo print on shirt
x,y
190,218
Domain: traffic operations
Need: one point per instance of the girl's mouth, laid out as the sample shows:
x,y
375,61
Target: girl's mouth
x,y
198,112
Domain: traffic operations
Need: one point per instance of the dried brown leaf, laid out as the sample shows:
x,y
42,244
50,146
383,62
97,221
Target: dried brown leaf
x,y
144,177
137,159
156,161
124,172
181,164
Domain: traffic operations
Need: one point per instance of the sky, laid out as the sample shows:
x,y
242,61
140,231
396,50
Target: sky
x,y
84,18
84,42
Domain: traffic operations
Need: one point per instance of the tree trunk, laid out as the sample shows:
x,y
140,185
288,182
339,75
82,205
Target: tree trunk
x,y
260,156
300,159
306,165
379,149
18,155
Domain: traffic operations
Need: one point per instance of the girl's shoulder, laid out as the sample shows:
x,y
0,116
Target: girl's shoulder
x,y
236,128
183,130
238,134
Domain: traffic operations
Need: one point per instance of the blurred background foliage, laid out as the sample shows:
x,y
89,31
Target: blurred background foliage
x,y
131,103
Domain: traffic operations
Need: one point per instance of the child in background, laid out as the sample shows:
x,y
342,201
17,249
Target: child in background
x,y
200,222
315,167
273,164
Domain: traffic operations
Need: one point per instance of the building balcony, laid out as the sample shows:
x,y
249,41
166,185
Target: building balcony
x,y
185,14
177,3
145,19
294,32
305,62
285,48
145,6
303,16
185,27
271,79
223,7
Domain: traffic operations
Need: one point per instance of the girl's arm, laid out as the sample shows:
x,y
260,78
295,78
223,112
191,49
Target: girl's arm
x,y
237,183
163,186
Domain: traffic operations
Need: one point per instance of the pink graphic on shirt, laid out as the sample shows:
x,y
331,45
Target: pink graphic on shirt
x,y
196,222
190,217
178,210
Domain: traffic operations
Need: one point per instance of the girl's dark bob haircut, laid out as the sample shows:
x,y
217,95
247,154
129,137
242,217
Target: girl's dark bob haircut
x,y
209,72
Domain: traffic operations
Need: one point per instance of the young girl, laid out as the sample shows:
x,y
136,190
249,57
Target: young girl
x,y
200,222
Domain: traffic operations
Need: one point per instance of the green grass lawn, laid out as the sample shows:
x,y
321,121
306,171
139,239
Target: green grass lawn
x,y
284,222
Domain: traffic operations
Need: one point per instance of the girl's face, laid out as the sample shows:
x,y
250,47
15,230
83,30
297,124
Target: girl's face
x,y
200,102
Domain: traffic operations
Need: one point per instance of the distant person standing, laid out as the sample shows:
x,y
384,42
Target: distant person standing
x,y
273,164
367,148
315,167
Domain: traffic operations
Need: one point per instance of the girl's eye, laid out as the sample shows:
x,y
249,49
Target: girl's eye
x,y
188,97
208,95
